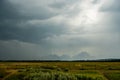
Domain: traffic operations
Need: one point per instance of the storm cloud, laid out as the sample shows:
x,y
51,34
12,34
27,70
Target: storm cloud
x,y
74,29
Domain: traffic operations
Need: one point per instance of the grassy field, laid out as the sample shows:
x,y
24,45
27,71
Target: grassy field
x,y
59,70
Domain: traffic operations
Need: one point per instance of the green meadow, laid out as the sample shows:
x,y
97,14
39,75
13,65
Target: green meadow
x,y
59,70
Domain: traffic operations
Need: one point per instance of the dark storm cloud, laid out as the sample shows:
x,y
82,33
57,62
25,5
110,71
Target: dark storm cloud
x,y
12,11
7,10
113,6
14,22
29,33
14,16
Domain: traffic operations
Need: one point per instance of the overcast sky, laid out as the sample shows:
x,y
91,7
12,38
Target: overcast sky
x,y
59,29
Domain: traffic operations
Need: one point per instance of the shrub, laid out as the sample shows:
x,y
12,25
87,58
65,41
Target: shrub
x,y
65,69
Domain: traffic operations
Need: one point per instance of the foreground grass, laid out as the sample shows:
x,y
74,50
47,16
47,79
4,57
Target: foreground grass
x,y
61,70
112,75
56,75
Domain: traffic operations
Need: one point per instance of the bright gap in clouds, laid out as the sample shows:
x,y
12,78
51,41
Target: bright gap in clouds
x,y
87,18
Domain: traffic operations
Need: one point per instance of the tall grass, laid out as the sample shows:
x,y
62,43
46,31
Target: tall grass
x,y
59,76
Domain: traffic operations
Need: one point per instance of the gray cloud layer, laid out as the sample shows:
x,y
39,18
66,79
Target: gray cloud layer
x,y
37,29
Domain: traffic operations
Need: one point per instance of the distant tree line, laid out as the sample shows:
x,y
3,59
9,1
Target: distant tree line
x,y
98,60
